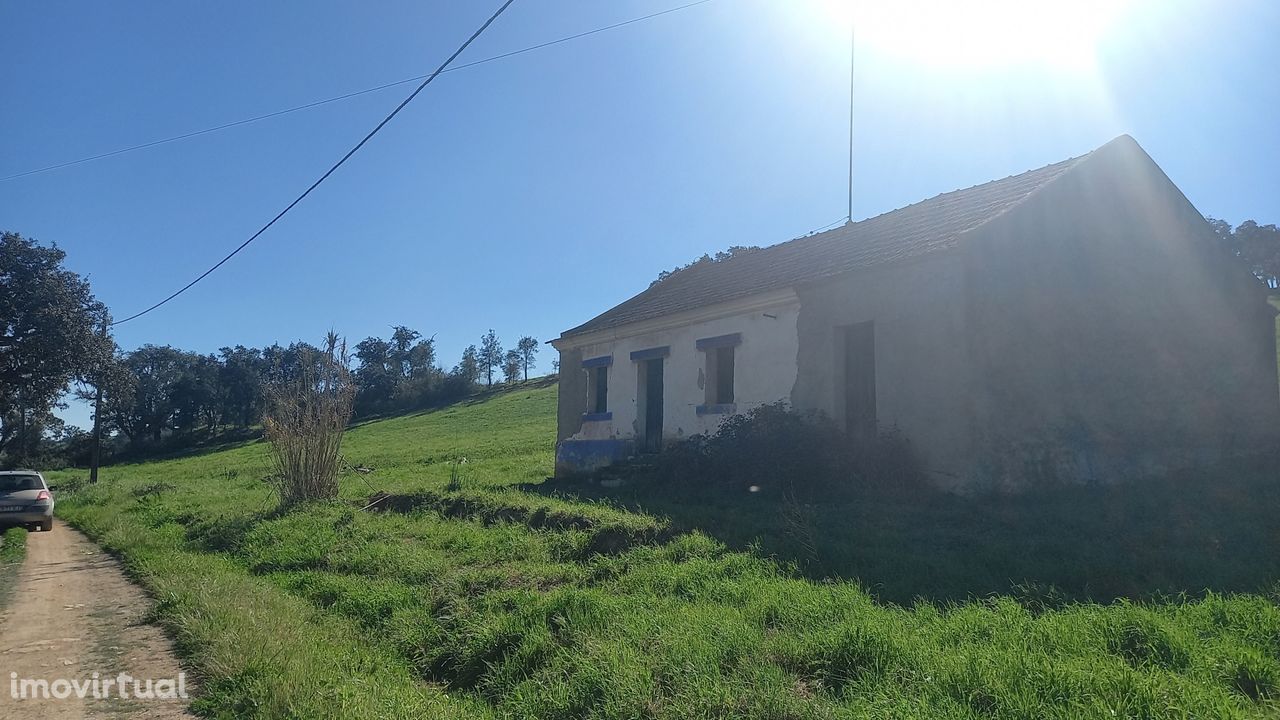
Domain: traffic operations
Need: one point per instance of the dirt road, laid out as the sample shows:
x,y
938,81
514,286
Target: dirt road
x,y
72,615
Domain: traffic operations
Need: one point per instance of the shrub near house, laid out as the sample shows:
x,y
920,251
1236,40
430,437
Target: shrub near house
x,y
1017,331
517,603
778,452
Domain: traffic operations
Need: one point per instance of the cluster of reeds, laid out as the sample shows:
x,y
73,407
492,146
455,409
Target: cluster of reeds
x,y
308,409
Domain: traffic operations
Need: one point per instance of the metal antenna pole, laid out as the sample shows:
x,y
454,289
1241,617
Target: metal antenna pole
x,y
852,49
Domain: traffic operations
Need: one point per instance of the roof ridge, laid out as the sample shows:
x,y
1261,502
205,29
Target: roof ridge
x,y
930,225
908,206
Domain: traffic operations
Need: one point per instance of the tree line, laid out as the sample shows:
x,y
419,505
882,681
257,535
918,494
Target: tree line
x,y
1258,246
51,334
157,392
55,340
401,372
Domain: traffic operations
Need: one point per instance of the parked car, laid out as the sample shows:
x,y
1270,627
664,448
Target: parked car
x,y
25,500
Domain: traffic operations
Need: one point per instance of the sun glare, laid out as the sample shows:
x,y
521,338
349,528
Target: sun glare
x,y
1063,34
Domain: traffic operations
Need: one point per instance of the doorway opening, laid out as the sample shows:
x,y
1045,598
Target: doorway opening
x,y
650,395
860,381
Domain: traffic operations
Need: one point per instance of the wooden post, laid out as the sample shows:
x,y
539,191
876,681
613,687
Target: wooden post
x,y
96,456
22,429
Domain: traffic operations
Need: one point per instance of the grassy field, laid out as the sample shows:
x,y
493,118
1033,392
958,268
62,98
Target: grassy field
x,y
512,597
1142,541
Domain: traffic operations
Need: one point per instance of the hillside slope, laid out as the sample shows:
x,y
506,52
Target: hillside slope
x,y
489,600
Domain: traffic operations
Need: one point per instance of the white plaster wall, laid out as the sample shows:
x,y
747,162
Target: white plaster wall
x,y
764,371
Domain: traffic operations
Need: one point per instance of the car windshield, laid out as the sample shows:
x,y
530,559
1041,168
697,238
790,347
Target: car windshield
x,y
14,483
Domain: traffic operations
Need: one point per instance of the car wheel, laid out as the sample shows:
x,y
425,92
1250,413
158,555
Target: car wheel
x,y
46,525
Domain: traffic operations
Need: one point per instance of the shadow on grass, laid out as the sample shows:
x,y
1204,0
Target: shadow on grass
x,y
179,447
224,533
1189,533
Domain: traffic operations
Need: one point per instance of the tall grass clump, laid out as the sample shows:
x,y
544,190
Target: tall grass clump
x,y
13,545
307,414
455,474
13,550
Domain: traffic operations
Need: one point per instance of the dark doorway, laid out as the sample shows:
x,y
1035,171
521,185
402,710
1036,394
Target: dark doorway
x,y
652,405
860,380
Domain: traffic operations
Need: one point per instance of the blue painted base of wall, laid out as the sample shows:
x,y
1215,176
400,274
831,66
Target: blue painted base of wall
x,y
578,457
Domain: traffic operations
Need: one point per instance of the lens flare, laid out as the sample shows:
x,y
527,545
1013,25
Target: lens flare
x,y
1063,34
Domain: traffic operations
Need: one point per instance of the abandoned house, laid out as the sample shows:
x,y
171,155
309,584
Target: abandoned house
x,y
1076,320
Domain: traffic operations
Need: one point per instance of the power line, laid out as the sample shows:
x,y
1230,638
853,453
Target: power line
x,y
336,165
336,98
828,226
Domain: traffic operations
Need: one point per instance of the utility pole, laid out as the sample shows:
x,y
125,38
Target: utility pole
x,y
96,457
97,436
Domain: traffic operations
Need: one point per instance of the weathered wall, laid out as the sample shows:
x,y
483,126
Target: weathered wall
x,y
922,374
764,372
1109,338
1093,332
572,393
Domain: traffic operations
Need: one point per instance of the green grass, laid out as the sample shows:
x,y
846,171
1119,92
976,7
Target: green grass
x,y
13,550
502,599
13,546
1187,533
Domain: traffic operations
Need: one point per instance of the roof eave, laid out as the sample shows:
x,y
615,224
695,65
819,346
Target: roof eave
x,y
704,313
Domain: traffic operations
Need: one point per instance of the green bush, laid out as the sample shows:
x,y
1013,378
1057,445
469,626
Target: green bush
x,y
801,455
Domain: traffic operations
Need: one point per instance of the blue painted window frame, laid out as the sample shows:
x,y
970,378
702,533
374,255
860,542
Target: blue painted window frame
x,y
651,353
709,345
592,366
718,409
719,341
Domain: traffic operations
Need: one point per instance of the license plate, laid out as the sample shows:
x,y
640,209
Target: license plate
x,y
12,508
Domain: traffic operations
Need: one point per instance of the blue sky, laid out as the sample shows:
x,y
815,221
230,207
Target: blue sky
x,y
531,193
